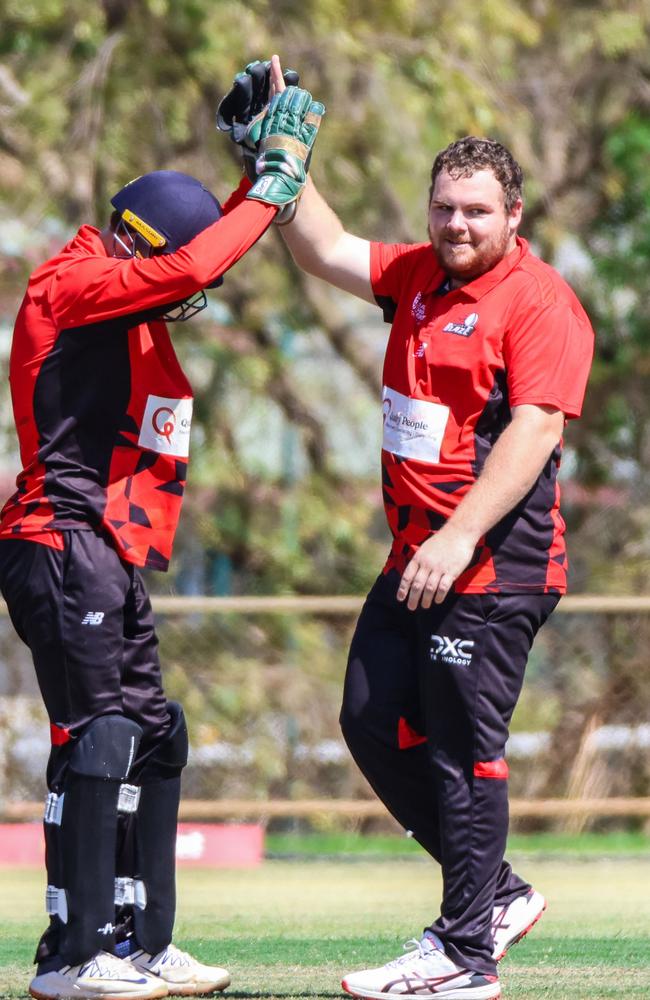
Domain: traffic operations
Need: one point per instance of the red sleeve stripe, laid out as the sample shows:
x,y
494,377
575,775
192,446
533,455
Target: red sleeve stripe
x,y
491,768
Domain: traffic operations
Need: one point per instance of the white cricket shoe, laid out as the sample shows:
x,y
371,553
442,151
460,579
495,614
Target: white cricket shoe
x,y
103,976
512,922
182,974
424,971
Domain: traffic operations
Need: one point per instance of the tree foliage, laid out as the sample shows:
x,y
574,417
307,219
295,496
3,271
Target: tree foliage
x,y
92,95
283,494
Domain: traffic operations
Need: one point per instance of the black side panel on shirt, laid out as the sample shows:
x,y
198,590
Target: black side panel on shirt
x,y
80,398
494,419
388,306
528,528
524,536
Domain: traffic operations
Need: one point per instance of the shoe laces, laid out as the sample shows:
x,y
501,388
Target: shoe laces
x,y
174,956
103,965
415,948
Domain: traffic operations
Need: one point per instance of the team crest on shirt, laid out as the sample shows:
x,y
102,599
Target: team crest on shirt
x,y
464,329
418,309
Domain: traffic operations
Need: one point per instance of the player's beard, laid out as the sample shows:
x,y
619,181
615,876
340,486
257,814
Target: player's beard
x,y
468,263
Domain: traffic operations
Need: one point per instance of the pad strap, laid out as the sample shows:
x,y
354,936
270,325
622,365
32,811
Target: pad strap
x,y
56,903
130,892
54,808
128,799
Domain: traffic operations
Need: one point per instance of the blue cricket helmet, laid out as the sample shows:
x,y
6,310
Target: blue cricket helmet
x,y
168,209
175,206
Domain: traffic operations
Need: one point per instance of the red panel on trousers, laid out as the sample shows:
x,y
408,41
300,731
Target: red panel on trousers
x,y
407,736
59,735
491,768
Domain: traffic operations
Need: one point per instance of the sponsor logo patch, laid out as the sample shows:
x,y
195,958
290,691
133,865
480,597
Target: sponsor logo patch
x,y
464,329
457,652
418,309
413,428
166,426
262,185
93,618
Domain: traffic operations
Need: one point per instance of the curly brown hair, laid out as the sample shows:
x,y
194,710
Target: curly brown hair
x,y
464,157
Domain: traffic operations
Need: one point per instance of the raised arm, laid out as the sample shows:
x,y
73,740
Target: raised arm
x,y
320,245
316,239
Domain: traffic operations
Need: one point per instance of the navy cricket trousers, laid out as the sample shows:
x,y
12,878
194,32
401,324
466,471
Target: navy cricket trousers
x,y
427,702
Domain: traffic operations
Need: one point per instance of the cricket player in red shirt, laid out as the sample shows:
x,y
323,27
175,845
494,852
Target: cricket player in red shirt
x,y
103,412
488,356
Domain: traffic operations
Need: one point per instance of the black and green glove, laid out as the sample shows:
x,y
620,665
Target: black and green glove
x,y
288,135
242,110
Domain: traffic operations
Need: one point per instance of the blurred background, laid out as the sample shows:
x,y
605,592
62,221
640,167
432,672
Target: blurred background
x,y
284,492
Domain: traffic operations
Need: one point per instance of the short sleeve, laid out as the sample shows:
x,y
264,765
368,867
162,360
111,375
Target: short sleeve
x,y
390,266
548,353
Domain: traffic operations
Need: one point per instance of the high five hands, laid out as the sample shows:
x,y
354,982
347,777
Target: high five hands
x,y
275,123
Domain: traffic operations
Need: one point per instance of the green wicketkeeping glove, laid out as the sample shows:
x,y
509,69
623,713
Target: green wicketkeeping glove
x,y
288,135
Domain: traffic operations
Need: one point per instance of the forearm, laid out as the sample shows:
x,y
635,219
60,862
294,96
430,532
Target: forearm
x,y
321,246
314,231
511,469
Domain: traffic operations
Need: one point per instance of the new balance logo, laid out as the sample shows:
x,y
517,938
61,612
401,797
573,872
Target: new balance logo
x,y
93,618
454,651
464,329
106,929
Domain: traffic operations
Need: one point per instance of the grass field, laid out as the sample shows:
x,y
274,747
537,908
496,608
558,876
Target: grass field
x,y
289,929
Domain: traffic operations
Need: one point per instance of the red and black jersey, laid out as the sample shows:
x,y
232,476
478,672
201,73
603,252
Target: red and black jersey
x,y
101,404
456,363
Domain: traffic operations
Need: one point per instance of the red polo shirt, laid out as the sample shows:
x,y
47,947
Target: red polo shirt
x,y
456,362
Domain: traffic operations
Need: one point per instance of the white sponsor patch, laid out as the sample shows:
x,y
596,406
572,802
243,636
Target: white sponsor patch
x,y
166,426
262,184
413,428
455,651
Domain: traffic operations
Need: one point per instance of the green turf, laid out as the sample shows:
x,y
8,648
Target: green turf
x,y
611,844
290,929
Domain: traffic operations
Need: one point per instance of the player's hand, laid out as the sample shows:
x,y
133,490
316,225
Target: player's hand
x,y
289,132
242,110
278,82
435,566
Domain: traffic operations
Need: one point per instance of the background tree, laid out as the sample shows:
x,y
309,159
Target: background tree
x,y
284,488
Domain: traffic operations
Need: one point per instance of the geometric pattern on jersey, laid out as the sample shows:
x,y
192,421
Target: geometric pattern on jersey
x,y
459,361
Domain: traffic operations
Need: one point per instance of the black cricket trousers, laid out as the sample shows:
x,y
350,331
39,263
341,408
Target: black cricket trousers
x,y
427,702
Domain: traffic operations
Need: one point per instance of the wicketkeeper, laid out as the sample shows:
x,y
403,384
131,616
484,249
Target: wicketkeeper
x,y
103,412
